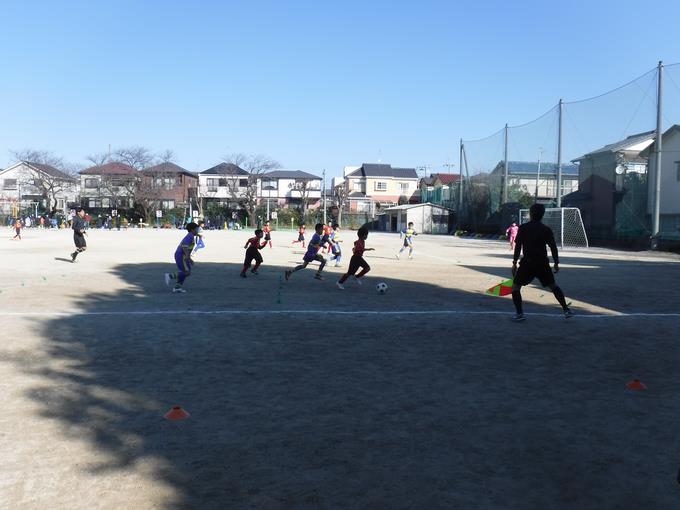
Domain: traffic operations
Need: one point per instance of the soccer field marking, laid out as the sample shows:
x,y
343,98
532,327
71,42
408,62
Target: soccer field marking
x,y
71,313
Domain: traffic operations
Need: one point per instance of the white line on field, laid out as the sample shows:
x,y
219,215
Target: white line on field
x,y
325,312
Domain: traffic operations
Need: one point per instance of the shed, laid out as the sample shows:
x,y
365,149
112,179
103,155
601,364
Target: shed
x,y
427,218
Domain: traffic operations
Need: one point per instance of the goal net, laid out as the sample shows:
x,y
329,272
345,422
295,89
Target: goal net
x,y
565,222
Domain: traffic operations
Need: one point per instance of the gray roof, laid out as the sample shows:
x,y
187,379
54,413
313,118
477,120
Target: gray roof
x,y
50,170
413,206
673,129
167,168
621,145
290,174
380,170
225,169
531,168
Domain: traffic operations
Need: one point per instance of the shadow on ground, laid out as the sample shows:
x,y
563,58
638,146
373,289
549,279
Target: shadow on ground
x,y
360,411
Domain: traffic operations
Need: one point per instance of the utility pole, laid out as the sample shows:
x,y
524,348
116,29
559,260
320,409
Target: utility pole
x,y
559,156
504,198
538,173
323,194
658,146
459,209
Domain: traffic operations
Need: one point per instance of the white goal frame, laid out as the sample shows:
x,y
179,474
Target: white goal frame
x,y
571,237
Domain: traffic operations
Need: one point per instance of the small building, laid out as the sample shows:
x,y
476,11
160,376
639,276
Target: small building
x,y
427,218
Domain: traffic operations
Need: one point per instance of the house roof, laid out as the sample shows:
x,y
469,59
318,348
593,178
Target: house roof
x,y
413,206
290,174
519,168
675,128
622,145
380,170
113,168
168,168
46,169
225,169
427,181
446,178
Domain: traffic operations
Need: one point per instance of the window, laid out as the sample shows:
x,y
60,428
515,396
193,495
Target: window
x,y
380,186
9,184
356,185
167,204
91,183
270,184
94,202
222,183
212,185
403,187
363,207
243,183
106,202
60,203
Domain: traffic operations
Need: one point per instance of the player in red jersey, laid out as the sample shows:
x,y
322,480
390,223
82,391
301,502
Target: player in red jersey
x,y
301,235
253,248
357,261
267,234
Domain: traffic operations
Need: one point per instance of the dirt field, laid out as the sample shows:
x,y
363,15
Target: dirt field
x,y
303,396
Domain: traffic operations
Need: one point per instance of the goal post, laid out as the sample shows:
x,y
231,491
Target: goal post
x,y
565,222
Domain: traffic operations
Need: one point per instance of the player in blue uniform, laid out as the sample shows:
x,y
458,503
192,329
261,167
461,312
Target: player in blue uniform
x,y
407,234
183,259
317,242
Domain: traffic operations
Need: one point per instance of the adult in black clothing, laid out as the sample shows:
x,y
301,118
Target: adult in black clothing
x,y
532,239
79,233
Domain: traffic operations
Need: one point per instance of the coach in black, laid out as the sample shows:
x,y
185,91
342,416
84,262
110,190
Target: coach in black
x,y
79,233
532,239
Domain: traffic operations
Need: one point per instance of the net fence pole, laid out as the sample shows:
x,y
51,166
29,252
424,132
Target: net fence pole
x,y
657,160
504,198
562,229
559,155
459,212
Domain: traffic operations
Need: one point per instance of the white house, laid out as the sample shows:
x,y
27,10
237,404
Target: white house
x,y
372,186
669,204
28,184
427,218
284,188
225,184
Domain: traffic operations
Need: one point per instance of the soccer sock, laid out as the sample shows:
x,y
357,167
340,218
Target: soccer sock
x,y
517,300
323,263
344,277
410,251
256,266
559,295
363,272
245,268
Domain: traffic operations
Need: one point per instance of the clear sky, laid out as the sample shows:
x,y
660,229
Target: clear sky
x,y
314,84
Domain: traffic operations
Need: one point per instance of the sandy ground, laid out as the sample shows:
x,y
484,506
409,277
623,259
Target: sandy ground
x,y
305,396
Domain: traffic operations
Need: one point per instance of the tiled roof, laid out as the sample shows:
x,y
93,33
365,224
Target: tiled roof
x,y
622,145
447,178
167,168
113,168
225,169
49,170
380,170
290,174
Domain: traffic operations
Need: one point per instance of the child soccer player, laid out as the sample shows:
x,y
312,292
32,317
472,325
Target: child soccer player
x,y
253,253
407,234
301,235
318,240
17,229
357,261
79,233
335,244
183,259
267,234
531,241
327,232
511,232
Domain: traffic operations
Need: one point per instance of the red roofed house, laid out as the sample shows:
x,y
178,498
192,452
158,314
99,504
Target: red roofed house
x,y
440,189
108,186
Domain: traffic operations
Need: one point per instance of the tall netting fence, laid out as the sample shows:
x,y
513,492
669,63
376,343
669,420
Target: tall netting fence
x,y
594,154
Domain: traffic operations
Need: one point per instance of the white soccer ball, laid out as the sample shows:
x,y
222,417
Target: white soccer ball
x,y
381,288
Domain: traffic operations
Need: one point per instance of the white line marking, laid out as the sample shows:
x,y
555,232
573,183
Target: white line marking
x,y
613,315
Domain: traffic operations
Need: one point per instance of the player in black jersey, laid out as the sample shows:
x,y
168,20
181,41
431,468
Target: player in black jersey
x,y
531,241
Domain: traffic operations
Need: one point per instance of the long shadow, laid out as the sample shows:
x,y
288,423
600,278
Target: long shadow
x,y
295,411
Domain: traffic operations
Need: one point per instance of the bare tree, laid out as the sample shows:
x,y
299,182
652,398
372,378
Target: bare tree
x,y
47,176
304,187
137,157
99,158
255,165
167,156
341,196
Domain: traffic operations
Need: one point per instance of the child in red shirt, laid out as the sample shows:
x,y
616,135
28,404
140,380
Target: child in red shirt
x,y
267,234
253,253
357,261
301,235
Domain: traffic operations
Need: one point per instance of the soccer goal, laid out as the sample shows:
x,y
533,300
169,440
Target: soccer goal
x,y
565,222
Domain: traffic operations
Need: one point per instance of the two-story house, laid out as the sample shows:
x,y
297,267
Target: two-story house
x,y
375,186
224,184
289,188
172,185
440,189
108,186
32,185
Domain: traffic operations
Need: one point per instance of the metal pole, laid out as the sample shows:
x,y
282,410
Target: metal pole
x,y
459,212
658,146
559,157
505,168
538,173
324,196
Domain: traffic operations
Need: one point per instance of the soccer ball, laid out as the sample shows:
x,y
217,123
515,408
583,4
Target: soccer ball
x,y
381,288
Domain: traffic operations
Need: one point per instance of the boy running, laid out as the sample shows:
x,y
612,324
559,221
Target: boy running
x,y
183,259
407,234
301,235
357,261
79,233
253,253
17,229
312,255
267,234
511,232
531,240
335,244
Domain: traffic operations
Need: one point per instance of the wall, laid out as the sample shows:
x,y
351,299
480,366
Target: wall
x,y
670,185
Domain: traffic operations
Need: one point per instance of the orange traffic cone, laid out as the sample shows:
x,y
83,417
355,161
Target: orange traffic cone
x,y
176,413
636,385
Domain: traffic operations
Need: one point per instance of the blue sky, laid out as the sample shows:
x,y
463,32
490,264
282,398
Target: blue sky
x,y
313,85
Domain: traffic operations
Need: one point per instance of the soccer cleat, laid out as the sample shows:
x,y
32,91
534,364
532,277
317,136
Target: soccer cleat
x,y
243,275
397,256
317,276
167,279
518,318
286,274
254,272
178,290
73,256
340,285
568,314
359,282
410,257
337,264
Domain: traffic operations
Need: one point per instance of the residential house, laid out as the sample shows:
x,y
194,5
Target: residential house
x,y
372,187
612,192
171,185
289,188
669,202
36,186
440,189
224,184
427,218
537,179
108,186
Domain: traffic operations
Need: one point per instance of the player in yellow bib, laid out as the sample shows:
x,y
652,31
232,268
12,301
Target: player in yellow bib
x,y
407,234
